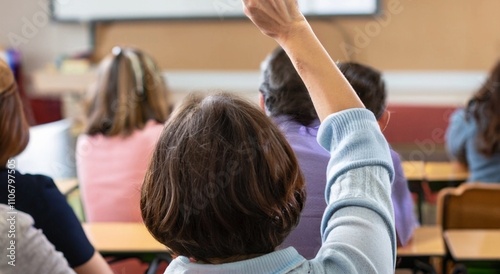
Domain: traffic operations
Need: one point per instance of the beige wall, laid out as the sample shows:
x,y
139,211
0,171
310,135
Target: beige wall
x,y
419,34
25,25
411,35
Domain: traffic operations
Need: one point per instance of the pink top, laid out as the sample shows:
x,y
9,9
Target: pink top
x,y
111,171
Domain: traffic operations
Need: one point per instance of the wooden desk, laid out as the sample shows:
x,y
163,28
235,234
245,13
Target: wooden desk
x,y
127,238
445,171
66,186
474,245
421,175
427,241
414,170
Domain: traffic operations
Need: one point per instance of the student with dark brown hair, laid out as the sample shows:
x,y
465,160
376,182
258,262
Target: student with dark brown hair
x,y
473,136
128,106
224,189
284,97
37,195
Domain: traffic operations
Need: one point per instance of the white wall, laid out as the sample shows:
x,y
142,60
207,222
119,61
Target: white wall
x,y
404,87
26,25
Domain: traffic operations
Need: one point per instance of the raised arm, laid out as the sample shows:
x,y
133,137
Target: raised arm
x,y
358,225
283,21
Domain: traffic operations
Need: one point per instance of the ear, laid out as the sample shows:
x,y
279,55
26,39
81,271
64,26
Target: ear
x,y
383,121
262,102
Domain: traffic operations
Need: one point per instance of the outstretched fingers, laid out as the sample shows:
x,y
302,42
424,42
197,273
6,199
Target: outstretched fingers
x,y
274,18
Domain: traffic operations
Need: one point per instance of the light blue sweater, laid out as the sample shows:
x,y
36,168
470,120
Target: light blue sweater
x,y
358,225
461,142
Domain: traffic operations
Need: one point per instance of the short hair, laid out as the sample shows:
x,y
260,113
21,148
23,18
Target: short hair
x,y
368,83
286,94
14,128
222,182
284,91
130,91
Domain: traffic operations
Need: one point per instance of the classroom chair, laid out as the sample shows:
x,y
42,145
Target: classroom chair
x,y
468,206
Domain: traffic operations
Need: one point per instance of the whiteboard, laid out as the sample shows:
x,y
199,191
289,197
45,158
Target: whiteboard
x,y
110,10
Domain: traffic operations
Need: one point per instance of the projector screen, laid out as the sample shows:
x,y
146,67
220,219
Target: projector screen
x,y
111,10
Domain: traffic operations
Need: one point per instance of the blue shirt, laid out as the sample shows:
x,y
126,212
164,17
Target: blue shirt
x,y
461,142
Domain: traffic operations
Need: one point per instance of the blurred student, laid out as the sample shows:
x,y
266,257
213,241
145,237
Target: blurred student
x,y
37,195
25,249
224,188
473,136
284,97
128,106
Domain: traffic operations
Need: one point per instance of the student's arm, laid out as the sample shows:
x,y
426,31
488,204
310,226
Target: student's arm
x,y
67,233
282,20
456,136
358,225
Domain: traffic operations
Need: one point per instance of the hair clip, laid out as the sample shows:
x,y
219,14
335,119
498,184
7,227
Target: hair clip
x,y
117,51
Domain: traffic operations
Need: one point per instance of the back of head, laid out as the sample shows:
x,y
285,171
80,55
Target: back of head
x,y
14,129
367,82
129,92
284,91
485,108
223,183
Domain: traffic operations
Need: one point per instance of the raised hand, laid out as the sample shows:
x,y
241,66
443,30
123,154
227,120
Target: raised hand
x,y
275,18
283,21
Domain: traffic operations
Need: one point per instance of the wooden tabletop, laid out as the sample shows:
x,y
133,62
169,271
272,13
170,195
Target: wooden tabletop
x,y
426,241
414,170
122,238
474,245
66,186
445,171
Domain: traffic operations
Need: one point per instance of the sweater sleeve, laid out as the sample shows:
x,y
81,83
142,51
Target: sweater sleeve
x,y
457,134
358,225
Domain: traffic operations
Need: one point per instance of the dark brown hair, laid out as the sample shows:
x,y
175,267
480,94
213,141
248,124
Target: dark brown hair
x,y
129,92
484,107
285,93
14,129
223,182
368,83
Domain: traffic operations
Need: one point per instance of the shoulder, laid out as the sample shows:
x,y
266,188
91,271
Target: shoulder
x,y
31,183
37,194
36,182
458,116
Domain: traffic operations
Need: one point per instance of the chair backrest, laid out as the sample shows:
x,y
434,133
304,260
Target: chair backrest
x,y
469,206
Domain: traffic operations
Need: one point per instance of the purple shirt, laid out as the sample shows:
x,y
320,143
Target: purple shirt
x,y
313,160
